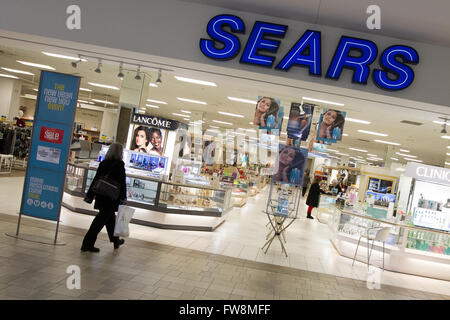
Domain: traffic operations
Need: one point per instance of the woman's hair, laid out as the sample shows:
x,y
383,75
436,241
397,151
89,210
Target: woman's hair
x,y
273,109
140,128
339,122
114,152
298,160
317,180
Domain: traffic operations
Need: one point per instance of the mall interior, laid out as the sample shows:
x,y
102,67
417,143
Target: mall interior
x,y
202,176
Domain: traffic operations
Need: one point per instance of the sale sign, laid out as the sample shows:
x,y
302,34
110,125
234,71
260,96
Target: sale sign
x,y
51,135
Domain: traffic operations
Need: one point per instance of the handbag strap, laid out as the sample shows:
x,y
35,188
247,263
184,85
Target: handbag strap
x,y
110,170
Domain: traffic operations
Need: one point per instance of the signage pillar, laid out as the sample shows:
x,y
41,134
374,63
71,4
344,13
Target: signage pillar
x,y
389,152
196,129
50,142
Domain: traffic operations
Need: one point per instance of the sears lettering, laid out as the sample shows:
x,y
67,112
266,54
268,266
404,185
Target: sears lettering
x,y
351,53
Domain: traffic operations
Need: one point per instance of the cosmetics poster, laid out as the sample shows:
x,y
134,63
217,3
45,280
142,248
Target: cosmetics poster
x,y
291,165
268,114
331,126
149,140
299,123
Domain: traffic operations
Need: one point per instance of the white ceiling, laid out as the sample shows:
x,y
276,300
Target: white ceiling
x,y
423,141
415,20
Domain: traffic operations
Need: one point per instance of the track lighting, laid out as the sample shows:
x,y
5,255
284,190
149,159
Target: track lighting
x,y
158,81
138,73
444,127
75,63
120,74
99,66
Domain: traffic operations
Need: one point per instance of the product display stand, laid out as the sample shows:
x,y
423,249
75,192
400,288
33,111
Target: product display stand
x,y
279,218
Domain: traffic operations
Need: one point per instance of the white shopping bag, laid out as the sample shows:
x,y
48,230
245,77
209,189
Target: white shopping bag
x,y
123,218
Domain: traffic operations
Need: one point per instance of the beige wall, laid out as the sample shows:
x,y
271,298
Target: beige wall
x,y
90,118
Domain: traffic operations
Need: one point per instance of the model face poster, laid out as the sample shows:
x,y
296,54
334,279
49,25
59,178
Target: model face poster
x,y
331,125
299,123
148,140
291,165
268,114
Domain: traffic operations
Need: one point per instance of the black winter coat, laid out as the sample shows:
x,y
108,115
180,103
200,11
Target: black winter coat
x,y
314,195
116,171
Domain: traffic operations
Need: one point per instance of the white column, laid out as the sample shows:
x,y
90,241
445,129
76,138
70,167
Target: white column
x,y
9,97
389,152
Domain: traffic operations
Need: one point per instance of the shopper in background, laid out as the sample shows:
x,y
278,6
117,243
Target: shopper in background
x,y
114,168
313,196
306,181
141,139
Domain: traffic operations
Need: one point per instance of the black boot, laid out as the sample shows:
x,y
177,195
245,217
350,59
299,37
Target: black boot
x,y
309,216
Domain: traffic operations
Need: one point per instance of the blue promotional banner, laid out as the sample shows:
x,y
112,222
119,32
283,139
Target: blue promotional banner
x,y
52,132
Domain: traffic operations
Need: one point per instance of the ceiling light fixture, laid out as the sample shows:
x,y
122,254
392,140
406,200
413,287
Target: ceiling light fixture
x,y
181,115
444,128
394,159
231,114
103,101
445,137
83,101
158,81
373,133
373,155
228,123
345,134
202,82
85,89
152,106
120,74
243,100
185,111
138,73
98,70
75,63
103,86
406,155
403,150
191,101
153,85
18,71
156,101
357,120
323,101
447,163
214,127
387,142
360,150
414,160
8,76
62,56
36,65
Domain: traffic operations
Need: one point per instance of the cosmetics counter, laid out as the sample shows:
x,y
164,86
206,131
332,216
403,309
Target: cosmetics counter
x,y
158,203
409,249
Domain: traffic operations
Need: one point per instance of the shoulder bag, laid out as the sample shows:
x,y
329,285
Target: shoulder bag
x,y
107,187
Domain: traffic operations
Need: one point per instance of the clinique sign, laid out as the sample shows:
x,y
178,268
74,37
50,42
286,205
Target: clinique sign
x,y
428,173
351,53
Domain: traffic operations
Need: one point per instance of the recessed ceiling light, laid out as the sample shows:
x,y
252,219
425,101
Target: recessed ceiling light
x,y
85,89
373,133
448,153
217,121
103,101
406,155
388,142
414,160
448,147
439,122
103,86
152,106
447,163
37,65
18,71
205,83
360,150
400,169
156,101
214,127
185,111
153,85
187,119
345,134
8,76
342,154
323,101
231,114
332,150
243,100
373,155
403,150
357,120
394,159
62,56
180,115
250,123
375,159
191,101
35,90
83,101
445,137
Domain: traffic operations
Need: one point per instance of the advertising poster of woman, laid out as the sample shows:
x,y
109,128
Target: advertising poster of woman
x,y
291,165
299,123
148,140
268,114
331,126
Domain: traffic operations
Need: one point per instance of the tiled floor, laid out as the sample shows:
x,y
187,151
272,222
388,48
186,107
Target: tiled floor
x,y
148,270
241,237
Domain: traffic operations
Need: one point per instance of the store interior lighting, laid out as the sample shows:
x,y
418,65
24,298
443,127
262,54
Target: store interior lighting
x,y
75,63
138,73
120,74
444,128
98,70
159,81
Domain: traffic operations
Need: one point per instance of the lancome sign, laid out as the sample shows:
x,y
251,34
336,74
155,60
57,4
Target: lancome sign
x,y
432,174
154,121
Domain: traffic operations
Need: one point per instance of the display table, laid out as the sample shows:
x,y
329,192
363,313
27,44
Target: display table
x,y
158,203
409,249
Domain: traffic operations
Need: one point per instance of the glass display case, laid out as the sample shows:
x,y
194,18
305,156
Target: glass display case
x,y
408,249
239,193
157,198
325,208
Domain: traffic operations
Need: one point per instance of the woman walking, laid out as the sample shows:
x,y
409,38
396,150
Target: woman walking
x,y
313,197
114,168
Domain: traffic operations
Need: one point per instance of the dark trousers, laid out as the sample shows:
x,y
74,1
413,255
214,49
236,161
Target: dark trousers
x,y
104,218
304,191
